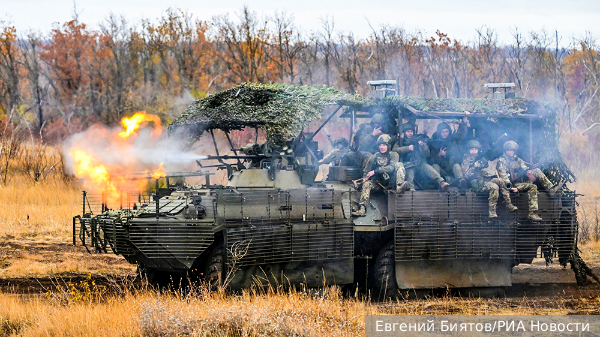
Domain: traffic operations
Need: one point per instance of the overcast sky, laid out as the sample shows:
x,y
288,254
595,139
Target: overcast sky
x,y
458,18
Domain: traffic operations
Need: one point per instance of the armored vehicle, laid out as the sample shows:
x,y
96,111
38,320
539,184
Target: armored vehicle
x,y
277,221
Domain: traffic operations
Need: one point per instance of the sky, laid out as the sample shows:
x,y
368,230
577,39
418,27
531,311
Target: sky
x,y
458,18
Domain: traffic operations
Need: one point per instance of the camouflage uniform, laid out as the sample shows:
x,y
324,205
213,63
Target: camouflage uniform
x,y
508,169
336,156
389,174
416,160
339,155
511,170
473,166
365,140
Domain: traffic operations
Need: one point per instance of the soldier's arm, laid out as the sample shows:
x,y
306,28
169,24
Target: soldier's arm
x,y
332,156
425,151
461,133
503,170
365,142
522,164
391,166
401,150
368,165
467,168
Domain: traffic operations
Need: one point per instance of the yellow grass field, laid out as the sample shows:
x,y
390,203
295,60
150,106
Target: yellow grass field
x,y
36,244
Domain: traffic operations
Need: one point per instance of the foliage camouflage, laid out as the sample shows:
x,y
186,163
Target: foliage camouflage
x,y
509,106
281,110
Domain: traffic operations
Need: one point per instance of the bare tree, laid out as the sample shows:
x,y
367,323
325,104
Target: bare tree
x,y
287,46
242,46
32,63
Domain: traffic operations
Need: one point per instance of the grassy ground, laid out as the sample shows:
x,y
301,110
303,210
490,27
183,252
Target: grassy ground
x,y
36,244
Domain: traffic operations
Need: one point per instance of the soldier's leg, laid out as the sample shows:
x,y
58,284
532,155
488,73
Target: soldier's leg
x,y
532,194
442,172
505,194
431,173
401,184
543,180
365,194
545,183
457,171
410,177
492,189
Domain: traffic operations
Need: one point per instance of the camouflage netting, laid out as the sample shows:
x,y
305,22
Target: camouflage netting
x,y
486,106
281,110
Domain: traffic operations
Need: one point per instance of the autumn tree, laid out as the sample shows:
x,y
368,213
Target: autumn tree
x,y
10,65
30,47
242,47
286,46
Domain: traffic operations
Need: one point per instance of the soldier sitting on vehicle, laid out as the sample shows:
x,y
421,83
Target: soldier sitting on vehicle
x,y
446,151
382,171
473,165
414,152
519,178
368,133
336,156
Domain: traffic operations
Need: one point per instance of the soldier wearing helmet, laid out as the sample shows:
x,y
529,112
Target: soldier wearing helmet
x,y
382,171
414,151
336,155
473,166
367,134
517,176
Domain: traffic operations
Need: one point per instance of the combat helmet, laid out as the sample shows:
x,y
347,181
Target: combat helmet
x,y
511,145
377,119
384,139
473,144
408,126
341,141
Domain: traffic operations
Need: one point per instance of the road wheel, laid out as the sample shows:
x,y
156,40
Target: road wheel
x,y
214,273
385,272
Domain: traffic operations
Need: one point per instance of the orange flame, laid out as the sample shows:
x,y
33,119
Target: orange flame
x,y
134,122
160,172
110,179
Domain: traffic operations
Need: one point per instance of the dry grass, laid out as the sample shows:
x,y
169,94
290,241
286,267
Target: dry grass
x,y
251,313
36,229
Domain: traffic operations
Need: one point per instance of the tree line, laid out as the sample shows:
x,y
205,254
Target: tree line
x,y
63,81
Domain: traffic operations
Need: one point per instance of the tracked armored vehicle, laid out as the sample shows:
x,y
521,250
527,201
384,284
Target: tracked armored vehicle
x,y
276,221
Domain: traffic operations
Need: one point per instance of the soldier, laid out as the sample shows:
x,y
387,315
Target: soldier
x,y
414,152
382,170
519,178
446,153
341,149
472,165
367,134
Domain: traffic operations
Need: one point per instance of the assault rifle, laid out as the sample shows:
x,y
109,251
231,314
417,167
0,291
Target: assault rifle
x,y
414,157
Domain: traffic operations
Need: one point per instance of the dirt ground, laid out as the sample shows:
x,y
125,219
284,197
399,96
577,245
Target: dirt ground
x,y
34,266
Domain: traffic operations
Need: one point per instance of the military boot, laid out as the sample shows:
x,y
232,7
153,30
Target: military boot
x,y
444,185
534,217
493,214
554,189
402,187
361,210
511,207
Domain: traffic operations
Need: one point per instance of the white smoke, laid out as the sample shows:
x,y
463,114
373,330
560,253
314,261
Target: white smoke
x,y
140,152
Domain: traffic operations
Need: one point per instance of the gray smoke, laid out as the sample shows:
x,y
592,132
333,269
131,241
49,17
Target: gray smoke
x,y
138,153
